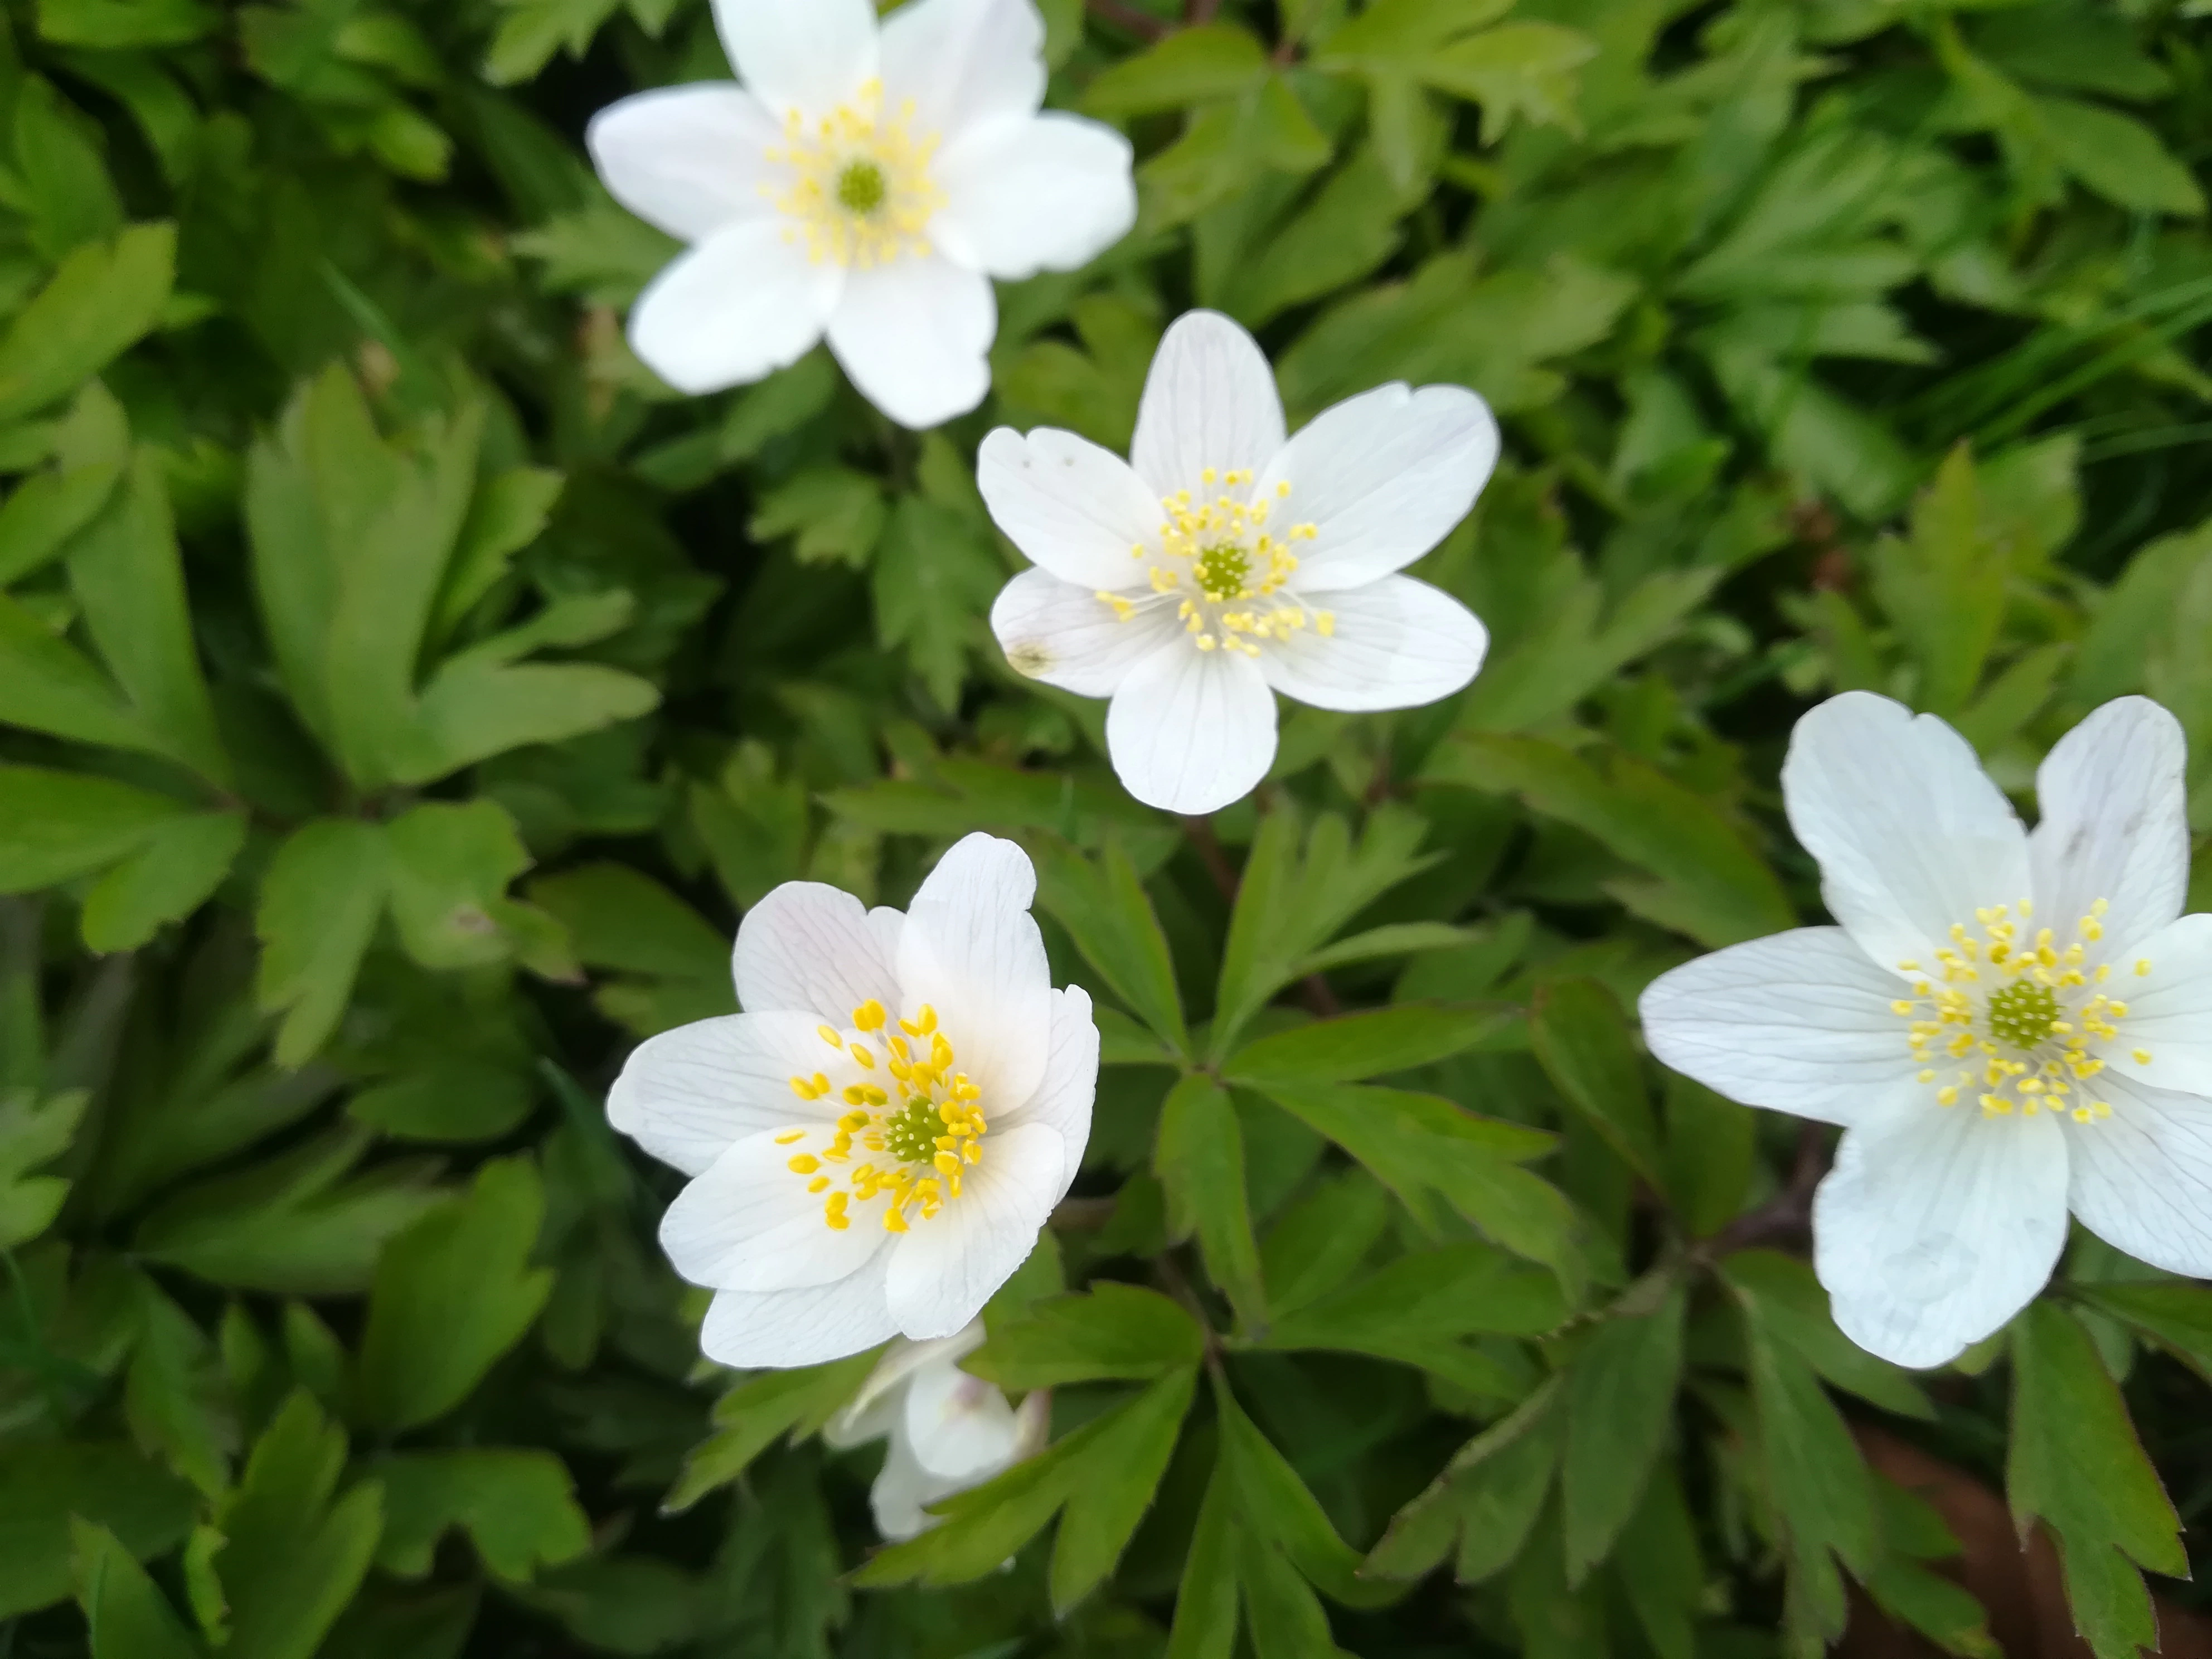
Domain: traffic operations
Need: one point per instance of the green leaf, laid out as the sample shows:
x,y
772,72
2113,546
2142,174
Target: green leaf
x,y
532,31
1423,1145
452,1293
171,874
1482,1508
450,867
1120,1475
321,902
1274,1503
621,919
1112,1331
2118,157
1199,1156
55,826
1784,1301
291,1224
2075,1464
1353,1045
1190,66
126,1615
48,685
834,515
1587,1049
118,24
1106,911
293,1557
174,1396
91,447
1823,1495
755,1413
101,300
1205,1597
1620,1407
33,1132
130,580
1524,69
518,1508
934,575
473,709
507,513
50,1482
2175,1314
1706,881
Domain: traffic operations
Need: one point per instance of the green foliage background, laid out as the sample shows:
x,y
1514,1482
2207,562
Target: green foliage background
x,y
402,695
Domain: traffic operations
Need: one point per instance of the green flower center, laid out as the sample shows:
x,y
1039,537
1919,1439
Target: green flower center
x,y
861,188
2022,1014
910,1136
1221,570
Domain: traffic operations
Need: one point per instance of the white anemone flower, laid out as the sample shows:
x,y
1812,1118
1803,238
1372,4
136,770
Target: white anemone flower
x,y
1222,563
2009,1025
876,1141
948,1431
866,183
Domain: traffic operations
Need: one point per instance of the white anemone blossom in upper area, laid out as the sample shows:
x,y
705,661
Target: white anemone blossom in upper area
x,y
866,183
1223,563
876,1141
2009,1025
948,1431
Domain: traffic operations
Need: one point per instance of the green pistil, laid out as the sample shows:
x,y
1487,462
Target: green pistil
x,y
2022,1014
911,1135
860,187
1222,569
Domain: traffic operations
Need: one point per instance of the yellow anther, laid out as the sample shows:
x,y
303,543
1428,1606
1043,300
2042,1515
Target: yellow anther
x,y
819,1184
894,1221
2143,968
790,1135
804,1163
1901,1006
830,1035
869,1016
2141,1056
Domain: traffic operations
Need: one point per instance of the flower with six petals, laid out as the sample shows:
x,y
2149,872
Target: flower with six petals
x,y
864,183
1223,563
876,1141
2009,1025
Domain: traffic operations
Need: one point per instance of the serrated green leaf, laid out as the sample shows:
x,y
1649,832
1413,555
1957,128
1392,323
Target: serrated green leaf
x,y
1583,1040
101,300
518,1508
1620,1405
1199,1156
1113,1330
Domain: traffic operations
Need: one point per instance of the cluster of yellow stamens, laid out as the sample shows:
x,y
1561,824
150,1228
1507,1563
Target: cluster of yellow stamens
x,y
1225,566
925,1136
862,193
2012,1019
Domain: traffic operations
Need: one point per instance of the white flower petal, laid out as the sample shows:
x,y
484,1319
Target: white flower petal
x,y
2114,822
972,952
749,1224
1068,636
901,1488
1191,730
877,1404
743,302
807,55
2141,1179
1210,401
1937,1225
811,1327
1063,1100
960,1427
1045,192
816,950
1396,643
913,335
1911,834
945,1269
963,63
1800,1022
2169,1009
1382,477
1072,508
688,1095
688,160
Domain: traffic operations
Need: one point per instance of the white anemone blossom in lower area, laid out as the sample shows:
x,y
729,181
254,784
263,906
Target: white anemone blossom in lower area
x,y
875,1142
948,1431
1223,563
2009,1025
864,183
